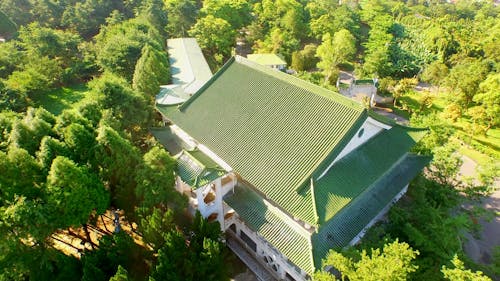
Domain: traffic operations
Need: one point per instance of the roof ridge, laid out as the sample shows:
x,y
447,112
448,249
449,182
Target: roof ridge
x,y
300,83
208,83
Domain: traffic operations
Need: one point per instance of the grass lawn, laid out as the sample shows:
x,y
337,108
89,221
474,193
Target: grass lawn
x,y
63,98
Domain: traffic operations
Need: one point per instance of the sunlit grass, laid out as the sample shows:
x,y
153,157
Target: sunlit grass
x,y
63,98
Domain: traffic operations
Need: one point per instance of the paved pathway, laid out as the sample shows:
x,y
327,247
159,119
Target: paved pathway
x,y
480,249
253,265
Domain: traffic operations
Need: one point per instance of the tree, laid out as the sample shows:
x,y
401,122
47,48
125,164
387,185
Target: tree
x,y
305,59
464,80
215,36
202,257
155,13
118,47
236,12
488,99
329,17
377,59
86,17
74,193
81,143
337,50
287,15
394,262
278,41
114,251
114,93
121,275
145,78
171,259
10,58
403,86
50,148
435,72
181,16
29,132
459,273
117,160
21,175
154,226
155,180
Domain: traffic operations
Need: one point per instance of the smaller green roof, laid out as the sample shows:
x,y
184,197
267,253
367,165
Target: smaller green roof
x,y
197,169
187,63
168,139
266,59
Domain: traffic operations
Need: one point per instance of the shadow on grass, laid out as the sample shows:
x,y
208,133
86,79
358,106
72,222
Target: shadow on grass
x,y
58,100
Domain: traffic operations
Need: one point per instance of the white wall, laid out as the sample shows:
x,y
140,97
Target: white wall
x,y
379,216
370,128
266,249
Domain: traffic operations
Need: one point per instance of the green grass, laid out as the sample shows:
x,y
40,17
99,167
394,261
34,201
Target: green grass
x,y
475,155
63,98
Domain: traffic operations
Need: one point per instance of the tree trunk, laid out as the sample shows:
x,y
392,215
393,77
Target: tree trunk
x,y
87,234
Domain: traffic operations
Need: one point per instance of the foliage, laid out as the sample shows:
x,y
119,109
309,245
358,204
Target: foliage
x,y
488,99
305,59
155,181
151,70
121,275
435,72
114,251
181,16
73,193
393,262
154,226
215,36
117,160
118,47
7,26
335,50
115,94
464,80
199,258
329,17
459,273
235,12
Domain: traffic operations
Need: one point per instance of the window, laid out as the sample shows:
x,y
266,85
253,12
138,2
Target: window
x,y
361,132
233,227
250,243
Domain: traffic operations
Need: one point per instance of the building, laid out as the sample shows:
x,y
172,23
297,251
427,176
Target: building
x,y
289,169
271,60
189,71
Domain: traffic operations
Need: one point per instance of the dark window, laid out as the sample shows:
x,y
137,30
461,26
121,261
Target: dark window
x,y
248,241
361,132
233,227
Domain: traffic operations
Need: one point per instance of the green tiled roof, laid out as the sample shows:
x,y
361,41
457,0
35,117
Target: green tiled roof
x,y
197,169
187,63
352,174
271,128
165,136
361,184
276,228
347,198
266,59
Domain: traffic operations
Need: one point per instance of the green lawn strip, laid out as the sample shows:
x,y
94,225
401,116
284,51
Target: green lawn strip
x,y
475,155
58,100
